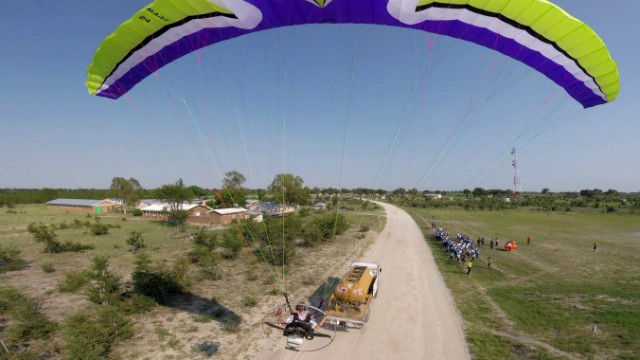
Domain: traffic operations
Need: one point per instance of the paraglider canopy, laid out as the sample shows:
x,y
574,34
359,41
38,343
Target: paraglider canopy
x,y
535,32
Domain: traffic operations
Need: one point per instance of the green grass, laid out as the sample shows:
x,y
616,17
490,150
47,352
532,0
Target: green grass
x,y
555,298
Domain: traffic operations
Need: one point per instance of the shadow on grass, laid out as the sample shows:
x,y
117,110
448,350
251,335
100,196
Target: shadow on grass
x,y
205,310
206,348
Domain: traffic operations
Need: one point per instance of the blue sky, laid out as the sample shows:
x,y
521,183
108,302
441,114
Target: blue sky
x,y
341,106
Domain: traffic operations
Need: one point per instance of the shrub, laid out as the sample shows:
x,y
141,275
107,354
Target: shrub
x,y
323,228
99,229
136,304
231,326
136,241
204,239
69,246
202,254
105,285
136,212
157,281
249,301
42,234
73,281
88,338
10,260
48,268
232,243
28,323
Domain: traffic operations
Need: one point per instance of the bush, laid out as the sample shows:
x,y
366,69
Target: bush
x,y
42,234
28,323
73,281
48,268
202,254
157,281
10,260
105,285
136,304
69,246
323,228
99,229
232,243
136,212
250,301
136,241
88,338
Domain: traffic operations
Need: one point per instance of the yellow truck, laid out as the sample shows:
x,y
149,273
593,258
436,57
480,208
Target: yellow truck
x,y
350,303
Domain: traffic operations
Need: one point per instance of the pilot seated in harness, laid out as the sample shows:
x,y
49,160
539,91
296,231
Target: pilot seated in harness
x,y
299,325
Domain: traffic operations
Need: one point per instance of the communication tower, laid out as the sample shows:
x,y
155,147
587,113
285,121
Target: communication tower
x,y
516,173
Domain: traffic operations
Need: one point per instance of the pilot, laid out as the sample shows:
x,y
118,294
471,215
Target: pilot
x,y
301,317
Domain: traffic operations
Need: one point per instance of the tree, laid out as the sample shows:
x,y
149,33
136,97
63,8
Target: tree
x,y
479,192
233,180
176,196
545,191
611,192
42,234
127,190
136,241
105,285
198,191
400,192
290,189
232,191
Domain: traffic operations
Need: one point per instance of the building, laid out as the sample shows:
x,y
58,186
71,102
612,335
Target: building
x,y
159,211
273,209
147,202
226,216
83,205
433,196
199,214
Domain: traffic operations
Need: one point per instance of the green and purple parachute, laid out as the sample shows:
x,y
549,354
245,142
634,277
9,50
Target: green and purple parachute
x,y
535,32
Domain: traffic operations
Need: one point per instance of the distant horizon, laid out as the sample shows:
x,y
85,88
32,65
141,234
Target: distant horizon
x,y
353,188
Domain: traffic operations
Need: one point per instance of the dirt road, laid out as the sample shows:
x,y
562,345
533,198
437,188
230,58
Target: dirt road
x,y
413,316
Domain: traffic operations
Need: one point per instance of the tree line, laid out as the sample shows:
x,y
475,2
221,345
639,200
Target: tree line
x,y
290,189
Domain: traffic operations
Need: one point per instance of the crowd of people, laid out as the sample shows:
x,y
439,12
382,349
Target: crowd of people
x,y
462,249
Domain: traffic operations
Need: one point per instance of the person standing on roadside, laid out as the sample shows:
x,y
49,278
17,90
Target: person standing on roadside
x,y
469,266
528,239
489,262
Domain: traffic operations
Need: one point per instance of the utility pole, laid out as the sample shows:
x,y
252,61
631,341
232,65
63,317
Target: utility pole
x,y
516,173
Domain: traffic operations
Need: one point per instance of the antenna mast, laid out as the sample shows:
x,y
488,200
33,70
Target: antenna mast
x,y
516,173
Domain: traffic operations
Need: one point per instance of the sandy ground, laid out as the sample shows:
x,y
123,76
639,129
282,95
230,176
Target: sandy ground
x,y
413,317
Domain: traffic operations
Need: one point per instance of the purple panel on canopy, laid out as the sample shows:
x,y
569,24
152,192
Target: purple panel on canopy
x,y
278,13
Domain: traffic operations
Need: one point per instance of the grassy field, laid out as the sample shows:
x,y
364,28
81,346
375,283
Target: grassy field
x,y
554,299
193,327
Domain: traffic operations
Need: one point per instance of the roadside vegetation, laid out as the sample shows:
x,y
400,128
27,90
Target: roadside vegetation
x,y
144,288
